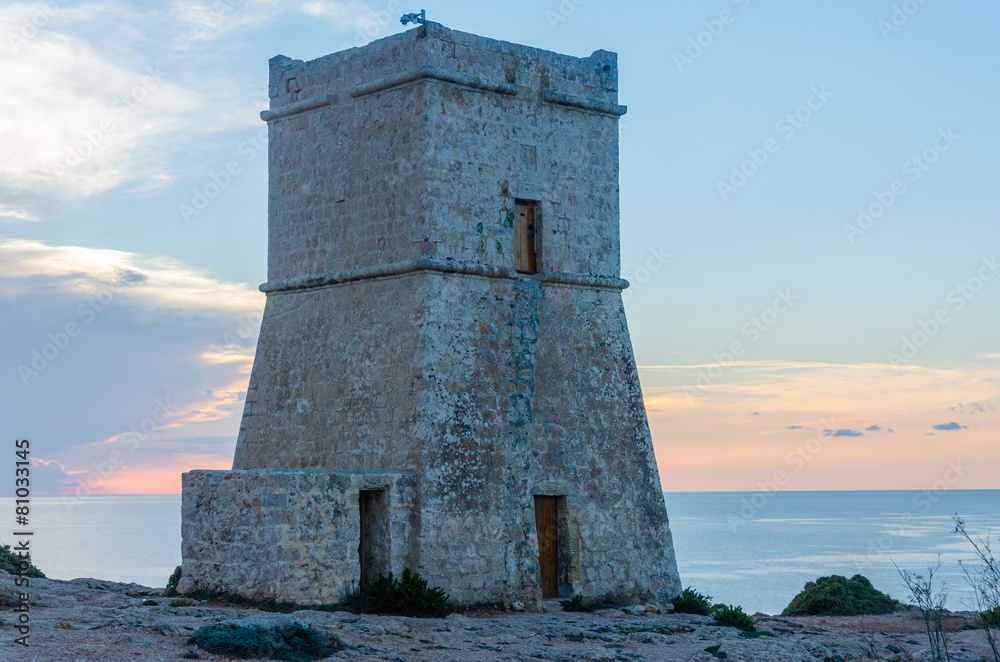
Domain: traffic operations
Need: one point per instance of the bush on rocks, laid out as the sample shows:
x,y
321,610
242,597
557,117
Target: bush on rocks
x,y
290,641
733,617
838,596
11,562
691,601
408,596
171,588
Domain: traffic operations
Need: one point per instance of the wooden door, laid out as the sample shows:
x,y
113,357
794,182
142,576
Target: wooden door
x,y
525,258
547,526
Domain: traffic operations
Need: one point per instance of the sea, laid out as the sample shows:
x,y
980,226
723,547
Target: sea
x,y
752,549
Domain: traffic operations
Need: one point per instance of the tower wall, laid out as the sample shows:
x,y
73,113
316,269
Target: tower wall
x,y
398,337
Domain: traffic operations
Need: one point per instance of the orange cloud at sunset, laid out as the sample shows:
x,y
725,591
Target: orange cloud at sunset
x,y
827,426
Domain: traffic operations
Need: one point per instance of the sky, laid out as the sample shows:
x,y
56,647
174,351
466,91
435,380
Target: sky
x,y
809,223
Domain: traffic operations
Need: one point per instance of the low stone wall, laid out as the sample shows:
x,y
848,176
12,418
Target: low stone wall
x,y
289,535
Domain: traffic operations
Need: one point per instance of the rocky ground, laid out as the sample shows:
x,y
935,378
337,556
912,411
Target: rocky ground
x,y
92,620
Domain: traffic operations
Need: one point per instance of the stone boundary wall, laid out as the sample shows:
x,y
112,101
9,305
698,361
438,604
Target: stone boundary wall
x,y
288,535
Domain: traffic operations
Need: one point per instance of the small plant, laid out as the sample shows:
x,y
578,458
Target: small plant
x,y
691,601
181,602
11,563
171,588
985,582
408,596
839,596
293,643
576,603
991,618
735,617
931,607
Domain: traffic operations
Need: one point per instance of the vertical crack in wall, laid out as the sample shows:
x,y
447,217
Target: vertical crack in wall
x,y
524,325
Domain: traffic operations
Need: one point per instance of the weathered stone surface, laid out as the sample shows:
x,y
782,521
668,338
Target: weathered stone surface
x,y
286,535
87,619
398,337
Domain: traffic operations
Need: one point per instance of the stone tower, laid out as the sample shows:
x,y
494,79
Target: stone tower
x,y
444,379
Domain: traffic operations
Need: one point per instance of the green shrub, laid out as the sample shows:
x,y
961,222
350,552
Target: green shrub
x,y
735,617
691,601
409,596
11,563
293,643
838,596
171,588
181,602
991,618
576,603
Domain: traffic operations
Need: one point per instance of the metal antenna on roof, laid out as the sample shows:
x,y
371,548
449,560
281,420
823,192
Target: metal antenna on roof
x,y
420,18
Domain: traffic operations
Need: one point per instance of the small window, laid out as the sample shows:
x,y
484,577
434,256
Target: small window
x,y
526,230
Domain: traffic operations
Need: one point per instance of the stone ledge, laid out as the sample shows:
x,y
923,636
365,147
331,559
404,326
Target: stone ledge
x,y
442,266
297,107
435,73
583,103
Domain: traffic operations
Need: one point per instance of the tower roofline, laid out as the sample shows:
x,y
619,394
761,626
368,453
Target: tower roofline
x,y
440,32
436,52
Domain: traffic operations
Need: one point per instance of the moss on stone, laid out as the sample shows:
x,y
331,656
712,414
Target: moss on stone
x,y
839,596
290,642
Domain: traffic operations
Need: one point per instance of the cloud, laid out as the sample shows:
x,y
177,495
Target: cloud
x,y
795,427
96,96
75,121
948,426
864,390
353,15
873,428
14,212
106,95
974,408
842,432
48,477
118,360
151,285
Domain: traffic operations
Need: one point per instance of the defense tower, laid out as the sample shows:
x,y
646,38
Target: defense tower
x,y
444,378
